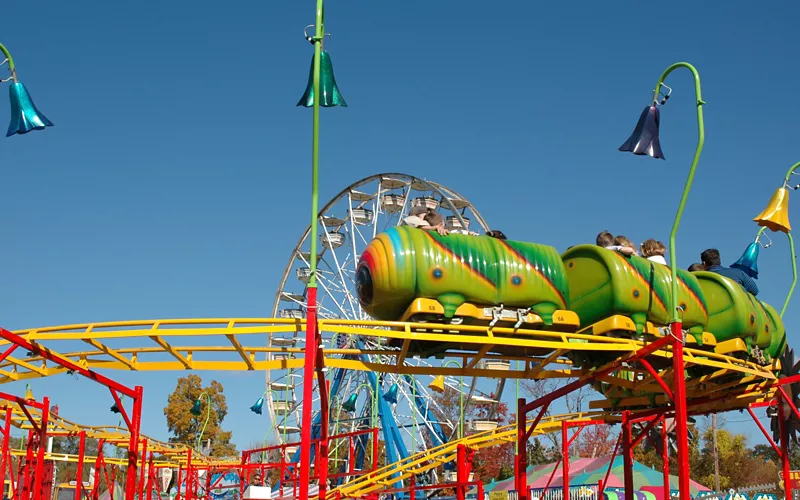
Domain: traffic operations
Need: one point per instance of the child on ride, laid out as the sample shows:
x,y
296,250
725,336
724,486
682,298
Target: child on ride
x,y
654,251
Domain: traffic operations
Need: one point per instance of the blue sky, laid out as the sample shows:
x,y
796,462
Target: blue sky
x,y
175,182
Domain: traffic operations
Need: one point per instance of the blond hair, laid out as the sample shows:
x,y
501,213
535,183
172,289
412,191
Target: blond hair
x,y
623,241
652,247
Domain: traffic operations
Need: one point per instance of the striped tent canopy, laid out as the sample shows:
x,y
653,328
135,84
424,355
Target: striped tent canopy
x,y
592,471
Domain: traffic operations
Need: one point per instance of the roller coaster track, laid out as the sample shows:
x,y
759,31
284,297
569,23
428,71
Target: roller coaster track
x,y
239,344
170,453
426,460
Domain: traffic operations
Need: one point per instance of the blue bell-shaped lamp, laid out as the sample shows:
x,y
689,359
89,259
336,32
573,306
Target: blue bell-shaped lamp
x,y
256,408
644,139
114,408
196,409
748,262
330,95
24,115
350,404
391,394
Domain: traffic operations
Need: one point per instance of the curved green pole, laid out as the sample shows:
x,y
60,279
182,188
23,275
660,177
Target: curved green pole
x,y
6,53
791,246
320,33
460,400
373,402
208,415
11,68
794,274
700,140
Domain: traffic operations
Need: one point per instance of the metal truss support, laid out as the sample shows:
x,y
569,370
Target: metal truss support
x,y
133,422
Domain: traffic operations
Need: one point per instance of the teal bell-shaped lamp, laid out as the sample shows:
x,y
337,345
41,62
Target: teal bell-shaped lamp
x,y
196,409
748,262
350,404
24,115
330,95
256,408
391,394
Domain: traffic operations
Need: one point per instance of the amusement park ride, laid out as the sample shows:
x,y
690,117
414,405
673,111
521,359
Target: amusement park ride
x,y
371,315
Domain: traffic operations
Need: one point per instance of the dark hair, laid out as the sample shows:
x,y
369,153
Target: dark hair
x,y
496,233
710,257
697,267
433,218
605,239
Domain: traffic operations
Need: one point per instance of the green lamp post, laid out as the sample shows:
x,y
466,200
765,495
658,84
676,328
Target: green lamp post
x,y
645,141
197,410
321,91
24,115
776,218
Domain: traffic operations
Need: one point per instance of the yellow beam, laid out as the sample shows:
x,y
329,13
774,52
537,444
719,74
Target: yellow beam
x,y
240,350
161,342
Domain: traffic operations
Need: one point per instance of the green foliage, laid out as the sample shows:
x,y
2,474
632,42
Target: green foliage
x,y
186,427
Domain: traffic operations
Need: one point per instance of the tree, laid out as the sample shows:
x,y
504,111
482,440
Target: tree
x,y
186,427
594,441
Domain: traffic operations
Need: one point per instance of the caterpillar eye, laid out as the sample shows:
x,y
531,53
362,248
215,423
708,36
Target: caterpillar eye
x,y
364,286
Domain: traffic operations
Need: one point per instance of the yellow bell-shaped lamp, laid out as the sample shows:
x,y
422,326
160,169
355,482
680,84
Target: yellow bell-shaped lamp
x,y
437,384
776,216
28,392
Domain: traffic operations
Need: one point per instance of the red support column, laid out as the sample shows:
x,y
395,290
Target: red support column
x,y
143,469
565,459
304,467
42,440
461,471
665,456
627,454
187,490
787,482
178,482
133,445
521,460
79,474
148,488
5,460
25,489
679,391
322,449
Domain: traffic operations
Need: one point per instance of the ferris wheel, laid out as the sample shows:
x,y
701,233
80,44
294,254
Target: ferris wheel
x,y
400,405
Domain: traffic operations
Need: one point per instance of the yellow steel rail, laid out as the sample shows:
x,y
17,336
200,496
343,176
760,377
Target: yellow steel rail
x,y
428,459
240,344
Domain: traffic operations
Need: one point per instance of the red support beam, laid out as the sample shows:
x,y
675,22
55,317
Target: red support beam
x,y
308,390
565,442
660,381
8,352
608,368
681,425
66,363
133,444
461,474
610,464
41,437
665,456
786,468
79,473
521,458
649,427
627,454
764,432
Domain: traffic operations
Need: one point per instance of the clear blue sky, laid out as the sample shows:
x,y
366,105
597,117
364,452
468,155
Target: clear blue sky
x,y
175,182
